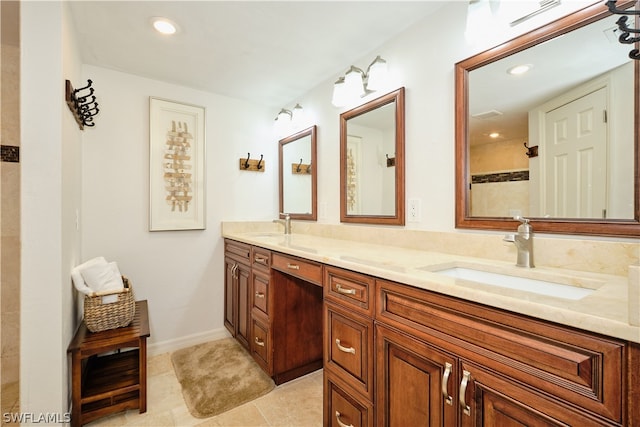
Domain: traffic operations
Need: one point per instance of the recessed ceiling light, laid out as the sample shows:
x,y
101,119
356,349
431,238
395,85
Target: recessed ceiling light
x,y
164,26
519,69
494,134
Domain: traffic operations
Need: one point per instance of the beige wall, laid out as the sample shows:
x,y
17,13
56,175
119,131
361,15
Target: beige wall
x,y
498,156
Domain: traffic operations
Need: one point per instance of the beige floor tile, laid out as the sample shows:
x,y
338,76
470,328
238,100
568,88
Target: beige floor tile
x,y
297,403
246,415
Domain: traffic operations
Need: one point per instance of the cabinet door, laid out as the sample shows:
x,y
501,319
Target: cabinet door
x,y
260,293
230,295
493,401
343,408
416,383
349,347
261,349
244,308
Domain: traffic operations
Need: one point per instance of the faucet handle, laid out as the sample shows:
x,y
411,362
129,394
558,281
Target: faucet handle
x,y
525,227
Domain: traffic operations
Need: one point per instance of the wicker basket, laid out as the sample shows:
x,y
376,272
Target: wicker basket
x,y
101,317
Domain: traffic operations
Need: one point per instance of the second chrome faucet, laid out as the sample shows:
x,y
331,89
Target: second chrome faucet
x,y
286,222
523,240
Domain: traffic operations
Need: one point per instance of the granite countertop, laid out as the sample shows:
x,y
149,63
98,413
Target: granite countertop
x,y
605,310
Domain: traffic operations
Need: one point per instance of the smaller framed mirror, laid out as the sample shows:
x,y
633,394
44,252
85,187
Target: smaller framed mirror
x,y
298,183
372,161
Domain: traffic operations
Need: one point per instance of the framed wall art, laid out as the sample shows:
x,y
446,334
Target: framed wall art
x,y
176,166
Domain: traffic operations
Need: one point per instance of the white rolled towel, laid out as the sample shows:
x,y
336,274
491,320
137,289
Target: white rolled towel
x,y
76,274
98,275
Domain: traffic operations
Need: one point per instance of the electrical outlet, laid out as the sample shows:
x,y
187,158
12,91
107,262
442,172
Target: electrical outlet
x,y
414,210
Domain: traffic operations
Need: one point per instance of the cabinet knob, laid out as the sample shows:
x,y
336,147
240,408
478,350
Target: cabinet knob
x,y
445,383
340,423
346,291
466,376
345,349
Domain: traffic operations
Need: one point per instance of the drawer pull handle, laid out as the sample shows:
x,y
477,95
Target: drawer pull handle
x,y
345,291
345,349
258,342
259,259
340,423
293,266
466,375
259,295
445,383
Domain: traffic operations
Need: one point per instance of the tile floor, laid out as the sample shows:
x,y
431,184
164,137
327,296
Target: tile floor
x,y
297,403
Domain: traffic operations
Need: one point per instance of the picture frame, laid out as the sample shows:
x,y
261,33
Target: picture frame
x,y
176,166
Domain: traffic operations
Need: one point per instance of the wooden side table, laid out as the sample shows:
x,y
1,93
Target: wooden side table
x,y
105,384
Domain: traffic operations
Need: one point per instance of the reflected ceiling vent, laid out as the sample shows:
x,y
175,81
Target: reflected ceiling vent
x,y
487,115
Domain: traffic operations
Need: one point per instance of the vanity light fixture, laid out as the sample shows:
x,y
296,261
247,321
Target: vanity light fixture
x,y
164,25
357,83
288,120
624,27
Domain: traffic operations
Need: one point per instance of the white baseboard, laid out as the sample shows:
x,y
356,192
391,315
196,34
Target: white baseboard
x,y
156,348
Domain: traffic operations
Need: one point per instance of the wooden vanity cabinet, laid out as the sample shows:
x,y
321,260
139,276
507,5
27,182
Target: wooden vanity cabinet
x,y
261,297
348,348
297,317
273,307
237,314
472,365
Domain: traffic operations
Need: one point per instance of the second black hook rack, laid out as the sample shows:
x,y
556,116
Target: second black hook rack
x,y
82,103
249,164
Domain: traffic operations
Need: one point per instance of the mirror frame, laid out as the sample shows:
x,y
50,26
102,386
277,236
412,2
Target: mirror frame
x,y
600,227
398,218
312,131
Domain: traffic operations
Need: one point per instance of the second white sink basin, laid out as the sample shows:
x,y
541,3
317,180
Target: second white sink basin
x,y
542,287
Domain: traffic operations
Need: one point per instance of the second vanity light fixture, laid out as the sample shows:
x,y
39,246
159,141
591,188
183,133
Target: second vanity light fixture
x,y
288,120
357,83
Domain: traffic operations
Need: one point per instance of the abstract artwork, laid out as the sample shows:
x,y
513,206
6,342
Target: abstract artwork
x,y
176,166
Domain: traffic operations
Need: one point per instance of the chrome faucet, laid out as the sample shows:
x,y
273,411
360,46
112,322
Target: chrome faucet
x,y
286,222
524,243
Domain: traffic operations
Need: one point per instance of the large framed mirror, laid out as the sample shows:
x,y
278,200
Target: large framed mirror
x,y
558,144
298,187
372,161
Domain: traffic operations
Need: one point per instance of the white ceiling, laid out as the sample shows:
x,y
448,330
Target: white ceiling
x,y
267,52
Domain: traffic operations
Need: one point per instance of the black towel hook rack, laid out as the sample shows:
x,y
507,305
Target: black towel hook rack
x,y
83,106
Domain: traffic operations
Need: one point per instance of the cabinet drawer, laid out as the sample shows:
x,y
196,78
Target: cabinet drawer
x,y
352,289
309,271
349,347
572,365
260,258
342,407
238,251
261,343
261,292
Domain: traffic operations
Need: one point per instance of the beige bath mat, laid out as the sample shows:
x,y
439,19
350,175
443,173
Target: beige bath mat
x,y
218,376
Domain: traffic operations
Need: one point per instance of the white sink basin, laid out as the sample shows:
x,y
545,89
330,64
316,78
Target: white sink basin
x,y
541,287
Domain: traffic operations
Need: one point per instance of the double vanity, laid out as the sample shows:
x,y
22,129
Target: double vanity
x,y
408,335
443,329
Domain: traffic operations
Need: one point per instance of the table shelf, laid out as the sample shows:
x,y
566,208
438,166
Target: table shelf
x,y
104,381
